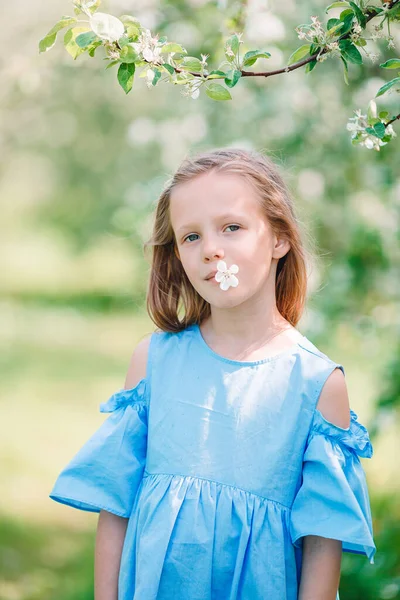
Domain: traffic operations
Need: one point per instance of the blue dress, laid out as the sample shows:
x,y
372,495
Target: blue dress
x,y
221,467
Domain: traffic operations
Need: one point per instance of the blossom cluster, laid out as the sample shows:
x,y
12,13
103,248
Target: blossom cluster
x,y
314,33
357,126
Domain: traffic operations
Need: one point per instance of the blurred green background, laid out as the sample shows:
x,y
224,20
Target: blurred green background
x,y
80,172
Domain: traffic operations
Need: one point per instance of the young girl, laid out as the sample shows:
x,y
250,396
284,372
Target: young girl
x,y
229,467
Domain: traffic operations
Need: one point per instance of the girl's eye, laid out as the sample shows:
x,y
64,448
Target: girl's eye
x,y
194,234
186,238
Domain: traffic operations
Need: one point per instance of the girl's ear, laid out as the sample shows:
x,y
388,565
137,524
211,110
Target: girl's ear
x,y
282,247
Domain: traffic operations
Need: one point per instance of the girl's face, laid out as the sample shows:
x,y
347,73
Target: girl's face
x,y
217,216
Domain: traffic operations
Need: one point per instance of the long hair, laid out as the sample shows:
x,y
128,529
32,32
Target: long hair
x,y
170,293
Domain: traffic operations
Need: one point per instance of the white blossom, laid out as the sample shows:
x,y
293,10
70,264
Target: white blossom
x,y
314,33
149,77
390,41
372,143
149,47
192,88
357,126
390,131
225,276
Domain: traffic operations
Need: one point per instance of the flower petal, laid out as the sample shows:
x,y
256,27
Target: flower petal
x,y
224,285
234,269
148,54
221,265
233,281
219,276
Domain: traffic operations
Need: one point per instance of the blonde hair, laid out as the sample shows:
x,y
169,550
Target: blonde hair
x,y
170,291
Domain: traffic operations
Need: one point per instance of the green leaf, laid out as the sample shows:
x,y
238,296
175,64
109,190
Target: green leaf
x,y
392,63
310,66
157,75
345,14
232,78
172,47
232,47
50,38
126,73
332,23
47,42
112,63
350,52
361,42
124,41
128,54
94,47
252,56
169,68
216,91
347,22
233,43
191,63
359,14
383,114
85,39
70,41
377,130
132,26
337,5
299,54
345,71
216,74
387,86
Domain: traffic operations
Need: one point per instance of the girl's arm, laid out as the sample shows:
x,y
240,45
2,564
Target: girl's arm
x,y
110,538
111,529
320,573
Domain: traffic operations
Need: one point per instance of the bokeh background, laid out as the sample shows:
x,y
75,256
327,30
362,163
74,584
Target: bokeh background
x,y
81,168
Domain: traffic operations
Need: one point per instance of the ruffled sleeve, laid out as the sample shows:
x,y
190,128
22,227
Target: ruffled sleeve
x,y
107,471
333,500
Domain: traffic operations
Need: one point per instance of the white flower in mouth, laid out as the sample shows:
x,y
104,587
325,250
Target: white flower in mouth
x,y
225,276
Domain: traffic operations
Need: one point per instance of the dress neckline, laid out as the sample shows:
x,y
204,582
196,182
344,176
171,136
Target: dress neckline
x,y
287,352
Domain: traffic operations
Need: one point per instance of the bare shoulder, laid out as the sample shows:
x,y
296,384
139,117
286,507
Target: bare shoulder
x,y
333,402
138,363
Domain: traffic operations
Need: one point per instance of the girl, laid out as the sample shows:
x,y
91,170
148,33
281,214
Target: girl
x,y
229,466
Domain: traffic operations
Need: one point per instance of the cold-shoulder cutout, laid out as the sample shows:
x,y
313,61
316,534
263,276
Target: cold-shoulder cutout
x,y
333,402
135,396
139,363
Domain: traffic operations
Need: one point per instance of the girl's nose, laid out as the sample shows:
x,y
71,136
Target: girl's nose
x,y
212,252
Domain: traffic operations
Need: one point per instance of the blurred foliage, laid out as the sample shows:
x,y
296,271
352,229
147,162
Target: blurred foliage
x,y
360,581
43,563
80,171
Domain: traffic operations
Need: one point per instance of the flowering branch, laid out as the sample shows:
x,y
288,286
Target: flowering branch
x,y
131,46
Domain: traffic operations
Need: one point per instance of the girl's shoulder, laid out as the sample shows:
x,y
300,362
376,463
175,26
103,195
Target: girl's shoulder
x,y
313,350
